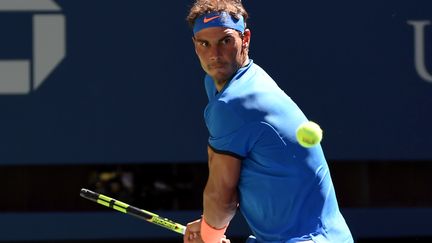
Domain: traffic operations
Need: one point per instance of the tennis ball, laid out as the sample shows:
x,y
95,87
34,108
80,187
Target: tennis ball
x,y
309,134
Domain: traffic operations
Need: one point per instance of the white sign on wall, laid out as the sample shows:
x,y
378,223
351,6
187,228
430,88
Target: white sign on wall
x,y
20,77
419,48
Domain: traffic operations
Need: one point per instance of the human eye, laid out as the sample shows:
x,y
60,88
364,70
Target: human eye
x,y
226,41
203,43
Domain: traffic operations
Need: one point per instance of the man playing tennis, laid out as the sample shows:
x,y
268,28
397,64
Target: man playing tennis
x,y
284,191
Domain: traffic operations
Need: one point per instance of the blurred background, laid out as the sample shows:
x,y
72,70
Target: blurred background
x,y
108,95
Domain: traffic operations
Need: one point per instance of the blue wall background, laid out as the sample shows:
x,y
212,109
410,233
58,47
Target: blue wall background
x,y
130,88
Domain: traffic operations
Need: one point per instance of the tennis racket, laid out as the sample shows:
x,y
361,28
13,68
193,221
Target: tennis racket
x,y
128,209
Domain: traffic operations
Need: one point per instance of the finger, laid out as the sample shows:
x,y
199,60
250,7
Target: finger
x,y
195,227
194,222
193,236
185,238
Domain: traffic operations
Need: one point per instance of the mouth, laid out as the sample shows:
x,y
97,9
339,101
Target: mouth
x,y
217,65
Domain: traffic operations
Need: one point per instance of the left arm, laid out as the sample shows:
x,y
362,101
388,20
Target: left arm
x,y
220,193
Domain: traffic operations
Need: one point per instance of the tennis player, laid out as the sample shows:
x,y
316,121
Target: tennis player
x,y
284,191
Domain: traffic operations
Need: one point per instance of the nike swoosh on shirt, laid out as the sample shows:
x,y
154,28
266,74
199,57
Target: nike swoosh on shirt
x,y
206,20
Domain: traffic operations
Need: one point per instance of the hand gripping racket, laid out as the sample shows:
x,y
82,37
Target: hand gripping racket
x,y
137,212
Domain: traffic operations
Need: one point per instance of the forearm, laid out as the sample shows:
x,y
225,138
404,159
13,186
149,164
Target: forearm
x,y
220,194
219,206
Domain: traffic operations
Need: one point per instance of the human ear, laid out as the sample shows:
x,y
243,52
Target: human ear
x,y
194,43
246,38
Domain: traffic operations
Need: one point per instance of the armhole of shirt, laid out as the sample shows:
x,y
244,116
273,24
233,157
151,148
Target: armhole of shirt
x,y
237,156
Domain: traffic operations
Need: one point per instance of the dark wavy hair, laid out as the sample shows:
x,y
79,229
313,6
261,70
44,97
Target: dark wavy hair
x,y
233,7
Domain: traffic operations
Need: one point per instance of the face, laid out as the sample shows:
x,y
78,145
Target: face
x,y
221,52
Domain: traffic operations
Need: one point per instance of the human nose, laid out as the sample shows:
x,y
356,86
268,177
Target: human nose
x,y
215,52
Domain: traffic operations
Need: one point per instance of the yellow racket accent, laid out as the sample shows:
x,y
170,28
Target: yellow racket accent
x,y
137,212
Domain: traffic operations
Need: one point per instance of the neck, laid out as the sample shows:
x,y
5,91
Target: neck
x,y
246,62
221,83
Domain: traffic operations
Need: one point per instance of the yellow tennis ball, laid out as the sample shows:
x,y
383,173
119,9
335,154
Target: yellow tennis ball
x,y
309,134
